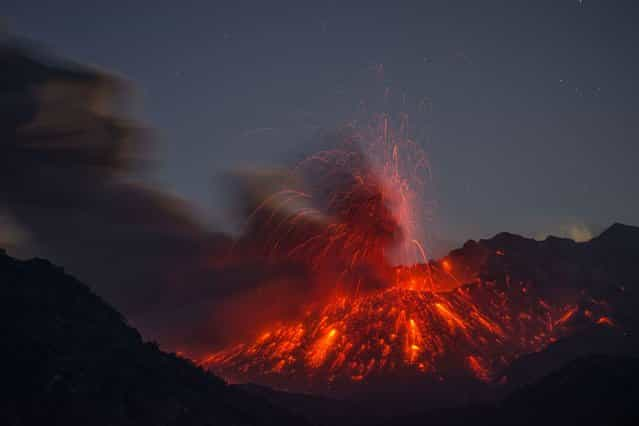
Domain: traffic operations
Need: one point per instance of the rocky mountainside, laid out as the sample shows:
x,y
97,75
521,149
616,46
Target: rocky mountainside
x,y
69,358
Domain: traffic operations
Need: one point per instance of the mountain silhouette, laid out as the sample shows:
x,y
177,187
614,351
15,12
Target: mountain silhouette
x,y
69,358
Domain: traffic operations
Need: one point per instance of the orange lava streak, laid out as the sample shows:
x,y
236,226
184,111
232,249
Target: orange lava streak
x,y
414,341
476,366
606,321
566,316
452,319
318,352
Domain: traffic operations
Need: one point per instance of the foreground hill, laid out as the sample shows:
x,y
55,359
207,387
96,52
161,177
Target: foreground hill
x,y
591,390
69,358
595,390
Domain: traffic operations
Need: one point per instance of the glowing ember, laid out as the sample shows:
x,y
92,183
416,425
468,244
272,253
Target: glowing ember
x,y
347,209
606,321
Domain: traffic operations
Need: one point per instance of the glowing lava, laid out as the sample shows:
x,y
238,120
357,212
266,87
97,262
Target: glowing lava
x,y
360,208
478,328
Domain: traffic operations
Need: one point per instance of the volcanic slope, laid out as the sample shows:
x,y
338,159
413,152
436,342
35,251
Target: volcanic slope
x,y
522,296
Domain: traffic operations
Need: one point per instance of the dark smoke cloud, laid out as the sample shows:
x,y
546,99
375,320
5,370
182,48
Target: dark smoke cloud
x,y
65,159
68,154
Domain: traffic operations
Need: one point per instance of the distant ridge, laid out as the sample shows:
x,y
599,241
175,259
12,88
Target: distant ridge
x,y
619,236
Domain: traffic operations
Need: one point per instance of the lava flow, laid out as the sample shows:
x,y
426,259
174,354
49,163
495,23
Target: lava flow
x,y
355,220
477,329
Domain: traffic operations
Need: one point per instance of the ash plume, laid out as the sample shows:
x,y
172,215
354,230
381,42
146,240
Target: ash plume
x,y
68,161
68,152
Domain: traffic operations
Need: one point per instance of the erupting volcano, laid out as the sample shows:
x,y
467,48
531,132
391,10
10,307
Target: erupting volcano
x,y
476,329
354,216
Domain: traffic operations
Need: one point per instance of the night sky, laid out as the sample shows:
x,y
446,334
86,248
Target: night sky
x,y
535,108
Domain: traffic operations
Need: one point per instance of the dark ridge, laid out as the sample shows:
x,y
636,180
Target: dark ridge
x,y
618,236
589,390
69,358
594,390
612,341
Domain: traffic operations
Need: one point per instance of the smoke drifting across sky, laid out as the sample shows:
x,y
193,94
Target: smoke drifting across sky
x,y
532,106
65,176
69,158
